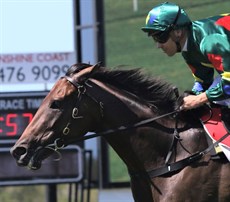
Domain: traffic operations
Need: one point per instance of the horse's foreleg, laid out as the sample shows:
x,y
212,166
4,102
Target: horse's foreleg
x,y
141,188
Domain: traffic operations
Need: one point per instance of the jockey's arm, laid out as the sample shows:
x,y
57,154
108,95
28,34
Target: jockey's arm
x,y
221,90
193,101
217,48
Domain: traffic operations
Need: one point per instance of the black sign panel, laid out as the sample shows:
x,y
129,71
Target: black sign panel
x,y
16,111
68,169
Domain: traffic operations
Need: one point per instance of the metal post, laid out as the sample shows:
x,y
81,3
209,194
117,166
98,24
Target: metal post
x,y
51,193
135,5
101,32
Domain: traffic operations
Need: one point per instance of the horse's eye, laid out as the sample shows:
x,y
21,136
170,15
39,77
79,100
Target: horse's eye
x,y
56,104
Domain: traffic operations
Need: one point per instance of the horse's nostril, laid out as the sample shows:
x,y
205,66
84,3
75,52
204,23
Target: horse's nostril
x,y
19,151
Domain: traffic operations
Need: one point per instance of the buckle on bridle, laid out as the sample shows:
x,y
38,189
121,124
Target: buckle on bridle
x,y
59,144
66,130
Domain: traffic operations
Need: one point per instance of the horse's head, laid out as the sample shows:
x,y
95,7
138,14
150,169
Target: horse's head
x,y
66,107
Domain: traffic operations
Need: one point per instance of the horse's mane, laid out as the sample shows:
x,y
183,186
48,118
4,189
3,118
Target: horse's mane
x,y
152,90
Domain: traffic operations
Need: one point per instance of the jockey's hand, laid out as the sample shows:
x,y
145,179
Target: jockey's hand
x,y
193,101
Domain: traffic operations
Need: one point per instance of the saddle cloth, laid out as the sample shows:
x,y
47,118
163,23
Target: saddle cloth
x,y
216,129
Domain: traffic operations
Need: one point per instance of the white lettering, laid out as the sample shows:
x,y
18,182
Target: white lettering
x,y
33,103
12,104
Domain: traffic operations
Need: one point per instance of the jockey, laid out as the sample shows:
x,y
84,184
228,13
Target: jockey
x,y
205,46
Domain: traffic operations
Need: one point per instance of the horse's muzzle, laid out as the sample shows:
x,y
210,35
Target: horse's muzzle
x,y
21,155
24,157
32,158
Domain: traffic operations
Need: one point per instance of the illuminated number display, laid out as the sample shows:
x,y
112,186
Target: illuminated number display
x,y
17,111
13,124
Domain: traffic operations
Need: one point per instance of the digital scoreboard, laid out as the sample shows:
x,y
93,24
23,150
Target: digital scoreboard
x,y
16,112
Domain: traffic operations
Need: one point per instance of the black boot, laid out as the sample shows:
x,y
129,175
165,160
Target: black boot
x,y
225,113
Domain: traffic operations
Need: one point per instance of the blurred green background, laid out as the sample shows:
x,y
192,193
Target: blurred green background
x,y
126,44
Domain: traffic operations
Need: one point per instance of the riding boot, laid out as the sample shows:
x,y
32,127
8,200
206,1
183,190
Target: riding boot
x,y
225,112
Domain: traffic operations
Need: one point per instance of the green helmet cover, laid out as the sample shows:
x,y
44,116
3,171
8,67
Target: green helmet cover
x,y
166,16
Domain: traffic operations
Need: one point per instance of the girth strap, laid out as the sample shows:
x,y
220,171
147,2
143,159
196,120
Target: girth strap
x,y
179,165
173,167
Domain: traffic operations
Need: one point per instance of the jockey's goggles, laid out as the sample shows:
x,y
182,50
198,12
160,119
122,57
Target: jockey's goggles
x,y
160,37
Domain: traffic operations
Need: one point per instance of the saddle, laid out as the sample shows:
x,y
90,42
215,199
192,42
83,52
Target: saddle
x,y
216,127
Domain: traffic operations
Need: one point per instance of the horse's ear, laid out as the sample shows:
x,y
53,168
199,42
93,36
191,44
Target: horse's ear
x,y
95,67
83,75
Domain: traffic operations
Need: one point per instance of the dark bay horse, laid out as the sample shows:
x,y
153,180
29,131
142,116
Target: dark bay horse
x,y
164,155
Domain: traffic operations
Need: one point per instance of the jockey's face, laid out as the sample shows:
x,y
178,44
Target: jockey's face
x,y
169,47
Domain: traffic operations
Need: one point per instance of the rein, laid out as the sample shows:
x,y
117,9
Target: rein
x,y
123,128
167,168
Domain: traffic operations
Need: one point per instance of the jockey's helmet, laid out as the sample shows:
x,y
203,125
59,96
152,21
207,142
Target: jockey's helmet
x,y
164,18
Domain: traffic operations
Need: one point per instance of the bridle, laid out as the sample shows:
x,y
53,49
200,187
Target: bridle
x,y
61,142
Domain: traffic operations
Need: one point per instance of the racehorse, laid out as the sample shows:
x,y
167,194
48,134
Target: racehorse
x,y
165,151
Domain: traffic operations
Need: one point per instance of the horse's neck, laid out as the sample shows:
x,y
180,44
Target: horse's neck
x,y
140,146
141,149
120,107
